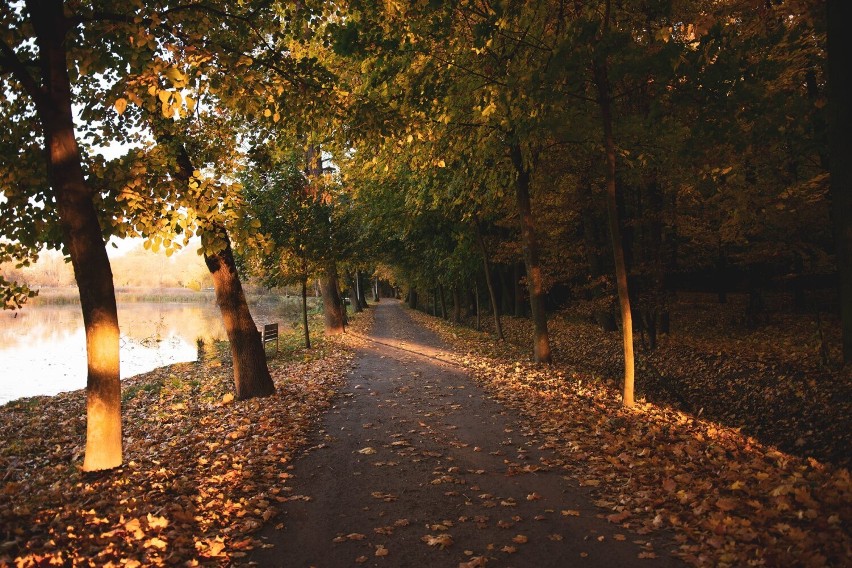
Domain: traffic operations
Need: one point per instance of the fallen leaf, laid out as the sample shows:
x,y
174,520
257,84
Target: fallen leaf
x,y
442,540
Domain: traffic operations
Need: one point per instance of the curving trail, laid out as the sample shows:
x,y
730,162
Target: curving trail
x,y
416,466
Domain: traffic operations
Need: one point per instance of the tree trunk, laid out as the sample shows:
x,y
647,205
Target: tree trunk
x,y
412,299
305,311
498,326
376,291
443,301
331,301
518,268
604,102
478,316
456,305
362,292
251,374
839,13
535,282
82,236
354,293
356,303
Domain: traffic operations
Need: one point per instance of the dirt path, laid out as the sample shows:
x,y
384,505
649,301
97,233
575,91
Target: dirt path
x,y
413,451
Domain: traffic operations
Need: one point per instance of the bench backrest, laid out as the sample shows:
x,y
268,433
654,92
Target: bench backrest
x,y
270,331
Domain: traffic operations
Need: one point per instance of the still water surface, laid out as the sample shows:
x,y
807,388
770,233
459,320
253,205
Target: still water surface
x,y
43,348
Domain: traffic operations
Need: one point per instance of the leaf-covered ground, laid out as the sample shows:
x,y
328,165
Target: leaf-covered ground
x,y
202,471
767,379
729,499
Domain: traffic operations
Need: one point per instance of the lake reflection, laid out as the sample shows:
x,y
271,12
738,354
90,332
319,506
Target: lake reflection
x,y
43,348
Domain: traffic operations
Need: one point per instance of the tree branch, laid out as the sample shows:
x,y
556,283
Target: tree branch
x,y
11,62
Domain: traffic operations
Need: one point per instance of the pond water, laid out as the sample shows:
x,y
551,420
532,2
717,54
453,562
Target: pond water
x,y
43,348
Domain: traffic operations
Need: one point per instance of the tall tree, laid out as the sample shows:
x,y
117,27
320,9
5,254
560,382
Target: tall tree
x,y
838,14
44,30
601,77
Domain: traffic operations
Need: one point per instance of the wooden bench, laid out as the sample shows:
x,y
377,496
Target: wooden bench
x,y
270,333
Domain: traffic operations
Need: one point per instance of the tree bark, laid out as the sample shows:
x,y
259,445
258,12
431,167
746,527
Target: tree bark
x,y
839,13
412,299
535,281
476,301
498,326
331,300
376,291
305,311
362,293
443,301
604,102
82,236
251,374
354,292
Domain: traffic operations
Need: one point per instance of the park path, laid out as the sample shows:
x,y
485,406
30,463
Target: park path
x,y
412,453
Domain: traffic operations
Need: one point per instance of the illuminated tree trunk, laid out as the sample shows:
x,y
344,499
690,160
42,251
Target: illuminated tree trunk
x,y
840,156
604,102
82,236
535,281
251,374
332,305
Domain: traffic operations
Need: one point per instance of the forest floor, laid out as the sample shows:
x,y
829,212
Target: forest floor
x,y
561,472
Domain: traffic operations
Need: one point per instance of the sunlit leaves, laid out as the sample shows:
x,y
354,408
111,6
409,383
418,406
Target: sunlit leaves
x,y
203,472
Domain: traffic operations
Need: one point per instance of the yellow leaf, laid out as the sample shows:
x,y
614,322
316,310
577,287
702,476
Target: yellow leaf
x,y
157,522
120,105
520,539
381,551
267,113
228,398
156,543
164,96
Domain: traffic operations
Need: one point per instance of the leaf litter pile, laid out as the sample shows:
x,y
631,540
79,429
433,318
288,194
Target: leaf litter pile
x,y
726,499
202,471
